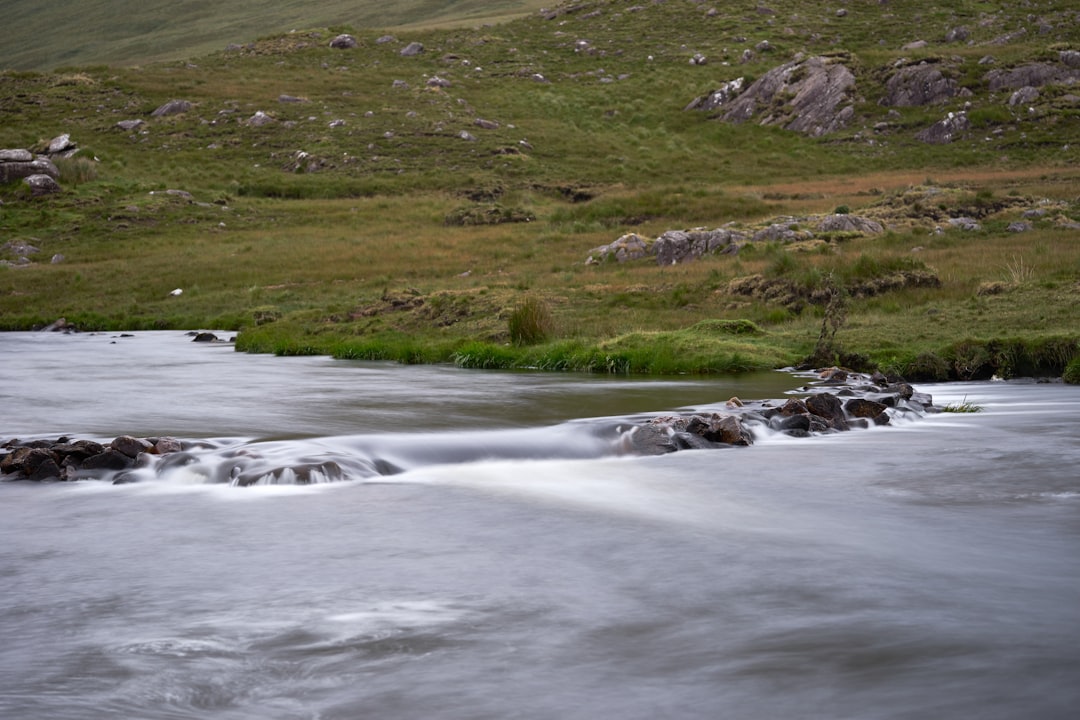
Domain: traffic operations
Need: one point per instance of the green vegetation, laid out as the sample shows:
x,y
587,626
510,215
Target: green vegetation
x,y
375,216
962,407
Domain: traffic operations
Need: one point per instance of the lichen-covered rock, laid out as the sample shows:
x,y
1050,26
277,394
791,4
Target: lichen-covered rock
x,y
946,130
20,164
850,223
814,96
42,185
1024,96
918,85
630,246
1032,74
676,246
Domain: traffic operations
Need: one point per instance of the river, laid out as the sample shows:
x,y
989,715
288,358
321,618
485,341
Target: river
x,y
515,568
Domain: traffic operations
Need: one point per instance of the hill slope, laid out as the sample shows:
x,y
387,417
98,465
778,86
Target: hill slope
x,y
374,203
133,32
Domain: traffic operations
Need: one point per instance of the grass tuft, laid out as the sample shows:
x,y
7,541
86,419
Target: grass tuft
x,y
531,322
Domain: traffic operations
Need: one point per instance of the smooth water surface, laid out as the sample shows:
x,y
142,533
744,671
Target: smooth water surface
x,y
926,570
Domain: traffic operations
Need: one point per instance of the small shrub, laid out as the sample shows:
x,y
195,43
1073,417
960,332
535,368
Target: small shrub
x,y
842,210
784,263
531,322
1072,372
728,327
487,215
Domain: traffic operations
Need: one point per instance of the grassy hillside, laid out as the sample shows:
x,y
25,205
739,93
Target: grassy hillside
x,y
327,196
46,35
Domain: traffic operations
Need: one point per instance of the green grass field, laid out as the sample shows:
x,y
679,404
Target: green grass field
x,y
337,226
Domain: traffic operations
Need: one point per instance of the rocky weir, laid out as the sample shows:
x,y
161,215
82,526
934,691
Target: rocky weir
x,y
834,401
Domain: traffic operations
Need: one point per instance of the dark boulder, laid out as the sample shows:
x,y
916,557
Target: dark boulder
x,y
131,446
649,439
864,408
109,459
723,429
828,408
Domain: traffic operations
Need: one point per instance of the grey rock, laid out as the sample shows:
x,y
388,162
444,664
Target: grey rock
x,y
718,97
628,247
945,130
129,125
813,96
412,49
1019,227
957,34
1024,95
382,40
677,246
60,144
259,119
11,171
781,232
16,155
850,223
344,42
917,85
42,185
173,107
965,223
1032,74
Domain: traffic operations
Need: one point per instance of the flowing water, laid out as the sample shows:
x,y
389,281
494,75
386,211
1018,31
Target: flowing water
x,y
515,565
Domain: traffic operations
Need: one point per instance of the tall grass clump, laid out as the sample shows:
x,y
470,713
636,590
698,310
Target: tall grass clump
x,y
76,170
531,322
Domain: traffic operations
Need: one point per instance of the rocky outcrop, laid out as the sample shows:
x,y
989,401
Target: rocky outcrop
x,y
17,164
944,131
849,223
917,85
814,96
1032,75
679,246
173,107
836,401
65,459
